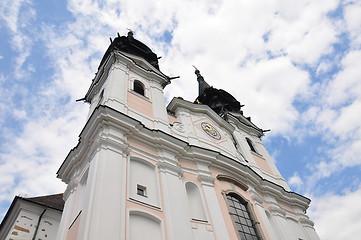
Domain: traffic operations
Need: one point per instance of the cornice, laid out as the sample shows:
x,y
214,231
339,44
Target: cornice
x,y
72,185
281,195
305,221
244,124
167,167
277,211
206,180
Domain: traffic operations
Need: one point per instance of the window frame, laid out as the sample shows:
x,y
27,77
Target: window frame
x,y
250,210
251,145
141,190
141,85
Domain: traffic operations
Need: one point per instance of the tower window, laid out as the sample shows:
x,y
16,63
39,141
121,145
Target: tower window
x,y
138,87
250,144
141,190
241,217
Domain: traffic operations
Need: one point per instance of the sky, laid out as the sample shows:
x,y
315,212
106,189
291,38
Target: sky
x,y
294,64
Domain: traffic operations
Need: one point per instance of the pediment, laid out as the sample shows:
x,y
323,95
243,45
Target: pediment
x,y
202,126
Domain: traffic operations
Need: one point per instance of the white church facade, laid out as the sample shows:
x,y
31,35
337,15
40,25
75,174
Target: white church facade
x,y
190,170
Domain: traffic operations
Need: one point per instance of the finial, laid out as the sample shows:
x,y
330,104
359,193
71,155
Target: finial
x,y
202,85
197,72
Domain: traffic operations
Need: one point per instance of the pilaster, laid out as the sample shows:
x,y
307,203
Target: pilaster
x,y
175,205
117,85
105,195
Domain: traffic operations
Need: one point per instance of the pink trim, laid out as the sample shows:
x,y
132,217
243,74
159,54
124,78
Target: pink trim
x,y
262,164
139,104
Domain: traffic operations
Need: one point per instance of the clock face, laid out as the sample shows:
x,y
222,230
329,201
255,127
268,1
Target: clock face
x,y
210,130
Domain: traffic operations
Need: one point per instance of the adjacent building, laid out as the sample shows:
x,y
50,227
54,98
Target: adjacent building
x,y
32,218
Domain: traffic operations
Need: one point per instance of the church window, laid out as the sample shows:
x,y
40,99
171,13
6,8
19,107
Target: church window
x,y
138,87
241,216
195,202
250,144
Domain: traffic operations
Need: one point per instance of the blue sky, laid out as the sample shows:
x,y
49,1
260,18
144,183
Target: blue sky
x,y
294,64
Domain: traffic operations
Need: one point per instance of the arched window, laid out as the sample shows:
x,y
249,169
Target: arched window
x,y
250,144
138,87
195,202
242,218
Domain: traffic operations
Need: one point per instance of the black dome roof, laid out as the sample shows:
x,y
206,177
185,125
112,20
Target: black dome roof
x,y
219,101
131,45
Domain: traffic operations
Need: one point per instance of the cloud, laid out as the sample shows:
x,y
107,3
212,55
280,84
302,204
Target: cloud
x,y
332,212
302,30
295,181
339,119
9,12
18,15
353,21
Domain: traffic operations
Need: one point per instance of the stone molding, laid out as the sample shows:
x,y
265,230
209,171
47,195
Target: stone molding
x,y
167,167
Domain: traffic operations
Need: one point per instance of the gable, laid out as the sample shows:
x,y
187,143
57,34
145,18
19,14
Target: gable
x,y
201,126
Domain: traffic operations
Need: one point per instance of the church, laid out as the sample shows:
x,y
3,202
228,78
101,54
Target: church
x,y
143,170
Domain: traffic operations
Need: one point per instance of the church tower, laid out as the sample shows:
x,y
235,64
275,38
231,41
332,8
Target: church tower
x,y
190,170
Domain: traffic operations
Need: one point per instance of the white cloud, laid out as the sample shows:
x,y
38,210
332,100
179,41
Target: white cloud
x,y
18,15
295,181
9,12
19,114
323,67
33,156
346,85
337,216
338,117
353,21
302,30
